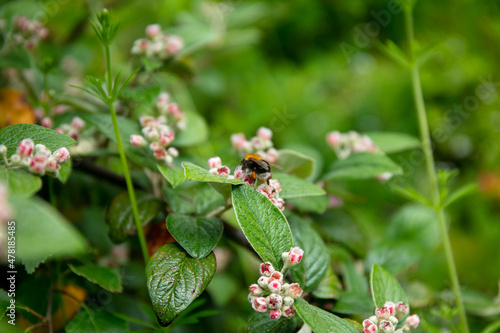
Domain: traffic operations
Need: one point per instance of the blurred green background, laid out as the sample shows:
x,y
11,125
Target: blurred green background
x,y
304,68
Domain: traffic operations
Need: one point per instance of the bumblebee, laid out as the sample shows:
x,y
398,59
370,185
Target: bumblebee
x,y
258,168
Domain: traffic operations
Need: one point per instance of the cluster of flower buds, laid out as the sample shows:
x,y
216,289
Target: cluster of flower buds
x,y
5,208
171,111
260,144
270,294
72,129
344,144
387,319
25,32
157,45
271,190
158,135
38,159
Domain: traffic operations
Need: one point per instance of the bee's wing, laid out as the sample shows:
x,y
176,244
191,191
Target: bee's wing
x,y
263,164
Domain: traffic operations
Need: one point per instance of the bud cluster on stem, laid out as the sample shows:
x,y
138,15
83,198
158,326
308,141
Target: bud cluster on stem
x,y
157,45
271,294
391,318
345,144
37,159
158,133
25,32
260,144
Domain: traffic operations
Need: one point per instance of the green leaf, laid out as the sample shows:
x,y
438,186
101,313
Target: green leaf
x,y
19,182
362,166
293,187
459,194
96,321
492,328
313,266
174,280
392,142
65,171
140,155
296,163
174,175
197,235
409,193
262,323
321,320
11,136
120,218
385,288
263,224
106,277
196,131
42,232
4,302
17,58
353,302
394,52
330,287
316,204
194,172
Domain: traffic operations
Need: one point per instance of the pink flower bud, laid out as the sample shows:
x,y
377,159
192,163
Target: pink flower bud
x,y
140,46
382,313
259,304
334,139
163,99
169,161
146,120
294,256
25,147
390,307
173,152
62,155
153,30
223,171
275,184
402,310
238,172
214,162
46,122
52,165
413,321
3,150
59,130
275,314
263,282
174,44
39,113
154,145
264,133
384,176
137,140
38,163
174,110
239,141
255,290
266,269
248,179
369,326
294,290
151,133
160,153
272,155
42,150
15,159
59,109
166,137
274,286
77,123
288,311
276,276
43,33
274,301
386,326
287,300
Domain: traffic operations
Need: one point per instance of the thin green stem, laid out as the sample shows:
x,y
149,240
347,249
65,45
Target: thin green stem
x,y
126,173
431,172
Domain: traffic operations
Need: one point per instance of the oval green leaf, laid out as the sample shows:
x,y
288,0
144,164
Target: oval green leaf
x,y
194,172
385,288
293,187
106,277
362,166
197,235
119,214
20,182
263,224
295,163
10,136
321,320
313,267
175,280
393,142
262,323
174,175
